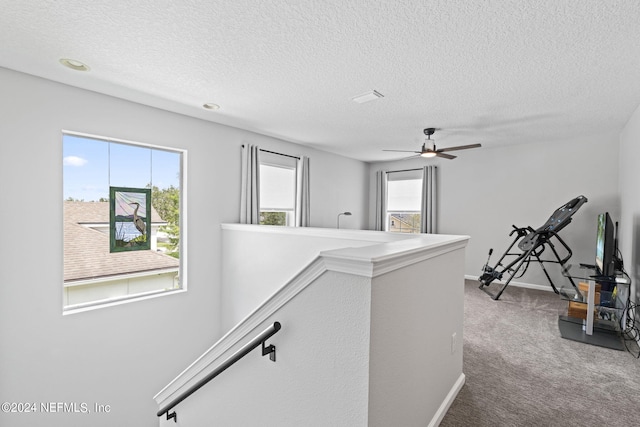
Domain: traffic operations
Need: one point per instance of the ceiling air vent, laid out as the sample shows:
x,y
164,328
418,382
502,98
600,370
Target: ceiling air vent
x,y
366,97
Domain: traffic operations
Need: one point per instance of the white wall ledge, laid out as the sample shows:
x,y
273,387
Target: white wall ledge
x,y
365,235
372,261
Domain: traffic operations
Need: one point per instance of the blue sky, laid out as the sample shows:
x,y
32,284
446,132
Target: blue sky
x,y
90,166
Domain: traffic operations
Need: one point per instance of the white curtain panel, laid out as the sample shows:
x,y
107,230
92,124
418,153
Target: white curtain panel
x,y
250,196
303,205
429,199
381,200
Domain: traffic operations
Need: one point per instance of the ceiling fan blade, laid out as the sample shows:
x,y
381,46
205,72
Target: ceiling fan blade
x,y
411,157
445,156
403,151
460,147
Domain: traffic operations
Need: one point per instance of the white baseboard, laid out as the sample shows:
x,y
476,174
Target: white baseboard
x,y
451,396
516,284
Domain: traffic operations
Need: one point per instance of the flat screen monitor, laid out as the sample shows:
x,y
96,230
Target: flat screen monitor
x,y
605,246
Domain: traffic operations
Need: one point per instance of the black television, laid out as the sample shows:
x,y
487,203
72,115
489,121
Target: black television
x,y
605,246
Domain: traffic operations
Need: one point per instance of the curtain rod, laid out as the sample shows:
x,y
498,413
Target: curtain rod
x,y
406,170
279,154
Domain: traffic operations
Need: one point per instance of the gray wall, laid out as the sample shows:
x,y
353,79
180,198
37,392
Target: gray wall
x,y
486,190
629,193
118,356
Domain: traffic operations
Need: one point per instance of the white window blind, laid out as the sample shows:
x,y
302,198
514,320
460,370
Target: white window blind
x,y
277,187
404,190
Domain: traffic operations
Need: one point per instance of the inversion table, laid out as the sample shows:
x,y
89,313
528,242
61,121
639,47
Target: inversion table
x,y
532,244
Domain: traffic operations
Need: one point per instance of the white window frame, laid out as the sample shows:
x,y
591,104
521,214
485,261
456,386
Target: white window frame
x,y
270,159
183,244
414,175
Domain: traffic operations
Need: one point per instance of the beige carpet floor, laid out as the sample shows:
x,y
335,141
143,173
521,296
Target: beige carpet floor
x,y
521,372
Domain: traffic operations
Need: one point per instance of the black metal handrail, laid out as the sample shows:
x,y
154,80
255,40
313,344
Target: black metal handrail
x,y
260,339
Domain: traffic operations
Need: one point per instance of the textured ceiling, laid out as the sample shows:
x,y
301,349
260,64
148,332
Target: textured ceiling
x,y
494,72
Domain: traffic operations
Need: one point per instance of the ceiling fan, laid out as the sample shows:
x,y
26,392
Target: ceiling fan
x,y
429,148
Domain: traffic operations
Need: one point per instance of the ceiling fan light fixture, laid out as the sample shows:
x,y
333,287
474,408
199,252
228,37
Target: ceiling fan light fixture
x,y
211,106
429,149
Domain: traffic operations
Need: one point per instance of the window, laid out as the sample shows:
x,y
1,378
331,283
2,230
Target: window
x,y
277,189
404,200
123,222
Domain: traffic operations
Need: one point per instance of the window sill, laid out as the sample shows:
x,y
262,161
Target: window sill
x,y
81,308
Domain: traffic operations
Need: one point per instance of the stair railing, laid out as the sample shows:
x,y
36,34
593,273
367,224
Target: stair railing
x,y
246,349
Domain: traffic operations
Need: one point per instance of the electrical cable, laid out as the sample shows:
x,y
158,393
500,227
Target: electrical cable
x,y
628,329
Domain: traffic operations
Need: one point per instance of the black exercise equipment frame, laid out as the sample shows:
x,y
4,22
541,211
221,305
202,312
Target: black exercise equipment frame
x,y
533,243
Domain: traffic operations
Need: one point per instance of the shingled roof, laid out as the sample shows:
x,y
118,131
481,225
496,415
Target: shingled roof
x,y
97,212
86,251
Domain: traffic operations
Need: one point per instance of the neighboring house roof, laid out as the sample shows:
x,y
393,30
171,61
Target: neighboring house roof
x,y
404,218
86,251
98,212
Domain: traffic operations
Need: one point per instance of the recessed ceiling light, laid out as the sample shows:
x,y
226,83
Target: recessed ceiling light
x,y
211,106
366,97
74,64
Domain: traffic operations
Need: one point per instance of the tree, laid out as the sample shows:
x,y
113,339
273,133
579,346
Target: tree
x,y
167,203
273,218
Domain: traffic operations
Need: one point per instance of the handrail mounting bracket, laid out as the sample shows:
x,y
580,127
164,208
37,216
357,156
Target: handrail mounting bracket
x,y
270,350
